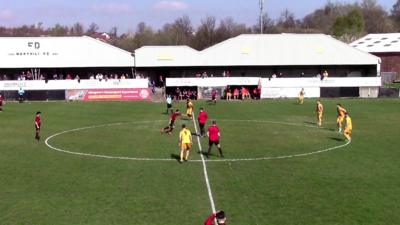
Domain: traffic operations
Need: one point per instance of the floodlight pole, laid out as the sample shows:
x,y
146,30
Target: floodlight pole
x,y
133,54
261,4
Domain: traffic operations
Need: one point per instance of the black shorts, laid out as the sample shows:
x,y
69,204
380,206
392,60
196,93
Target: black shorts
x,y
171,124
213,98
201,126
169,106
210,143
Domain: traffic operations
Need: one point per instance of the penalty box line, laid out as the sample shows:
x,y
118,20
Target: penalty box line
x,y
210,195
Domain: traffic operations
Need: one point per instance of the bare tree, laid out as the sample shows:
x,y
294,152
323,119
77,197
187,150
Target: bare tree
x,y
205,35
77,29
268,25
184,30
58,30
287,20
229,28
93,28
375,17
144,35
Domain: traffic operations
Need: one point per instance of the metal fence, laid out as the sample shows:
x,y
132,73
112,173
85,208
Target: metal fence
x,y
390,77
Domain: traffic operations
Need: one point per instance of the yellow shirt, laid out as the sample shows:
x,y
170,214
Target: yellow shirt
x,y
185,136
341,111
320,108
302,93
190,105
349,123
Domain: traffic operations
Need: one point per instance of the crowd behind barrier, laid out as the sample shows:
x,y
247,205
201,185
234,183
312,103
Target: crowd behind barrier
x,y
27,75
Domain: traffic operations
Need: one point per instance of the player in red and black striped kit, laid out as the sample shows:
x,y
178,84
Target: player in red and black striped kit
x,y
213,138
38,124
1,103
214,96
171,124
219,217
202,118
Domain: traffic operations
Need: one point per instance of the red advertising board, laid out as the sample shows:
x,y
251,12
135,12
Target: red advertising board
x,y
126,94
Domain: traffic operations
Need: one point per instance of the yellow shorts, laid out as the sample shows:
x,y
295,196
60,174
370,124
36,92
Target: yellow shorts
x,y
347,131
340,119
189,111
186,146
319,115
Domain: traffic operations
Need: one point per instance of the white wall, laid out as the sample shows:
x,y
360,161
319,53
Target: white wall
x,y
212,81
73,84
315,82
289,92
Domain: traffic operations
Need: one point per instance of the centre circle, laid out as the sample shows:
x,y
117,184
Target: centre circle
x,y
249,140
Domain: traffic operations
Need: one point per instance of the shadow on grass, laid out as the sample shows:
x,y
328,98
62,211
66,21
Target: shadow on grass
x,y
310,123
210,102
206,154
337,139
176,157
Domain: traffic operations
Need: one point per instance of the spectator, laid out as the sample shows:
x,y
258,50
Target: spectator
x,y
228,94
29,76
69,77
236,93
1,103
21,94
325,75
161,79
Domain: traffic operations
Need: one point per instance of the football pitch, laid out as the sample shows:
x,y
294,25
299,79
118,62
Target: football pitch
x,y
108,163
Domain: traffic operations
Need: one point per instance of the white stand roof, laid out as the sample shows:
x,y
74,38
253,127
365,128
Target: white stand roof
x,y
379,43
61,52
259,50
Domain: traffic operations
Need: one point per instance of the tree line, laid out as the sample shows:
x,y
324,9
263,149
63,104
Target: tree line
x,y
345,21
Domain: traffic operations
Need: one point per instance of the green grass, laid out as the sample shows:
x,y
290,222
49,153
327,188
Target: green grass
x,y
357,184
392,85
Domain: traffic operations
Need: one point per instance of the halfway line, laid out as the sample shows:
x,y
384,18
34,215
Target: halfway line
x,y
204,167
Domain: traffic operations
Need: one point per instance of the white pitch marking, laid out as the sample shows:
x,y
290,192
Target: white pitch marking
x,y
102,156
216,160
210,196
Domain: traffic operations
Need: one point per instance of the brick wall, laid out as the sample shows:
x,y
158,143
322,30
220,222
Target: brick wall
x,y
390,62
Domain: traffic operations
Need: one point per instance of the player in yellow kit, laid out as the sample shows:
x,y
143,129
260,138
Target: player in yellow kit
x,y
320,112
185,142
301,96
189,108
341,112
348,128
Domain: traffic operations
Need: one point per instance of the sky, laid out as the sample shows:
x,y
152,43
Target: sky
x,y
126,14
